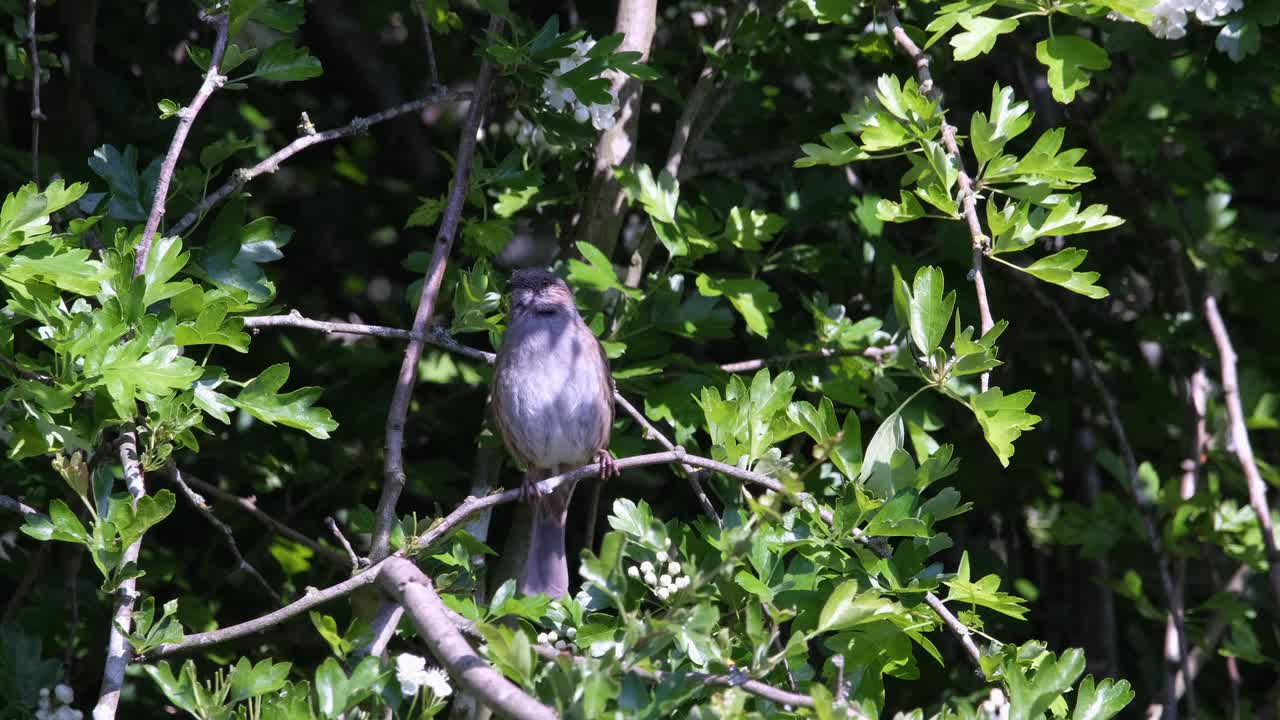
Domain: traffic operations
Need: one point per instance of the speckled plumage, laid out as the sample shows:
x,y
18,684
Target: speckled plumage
x,y
552,401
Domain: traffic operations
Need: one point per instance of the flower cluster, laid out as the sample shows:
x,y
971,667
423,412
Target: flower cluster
x,y
413,674
995,707
63,694
561,98
666,578
553,638
1169,19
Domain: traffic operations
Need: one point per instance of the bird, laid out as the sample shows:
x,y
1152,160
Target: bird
x,y
552,402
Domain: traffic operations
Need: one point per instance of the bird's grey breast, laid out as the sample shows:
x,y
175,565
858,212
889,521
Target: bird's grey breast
x,y
554,390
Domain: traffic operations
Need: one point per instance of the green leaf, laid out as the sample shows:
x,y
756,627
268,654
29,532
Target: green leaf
x,y
235,252
486,238
900,212
1003,419
294,409
212,327
131,192
985,592
1069,59
980,35
657,197
1007,121
24,218
749,229
69,270
285,62
886,441
1030,697
426,214
61,525
752,298
510,650
180,690
837,149
846,608
1102,702
597,273
208,399
165,260
929,309
248,680
842,445
1059,269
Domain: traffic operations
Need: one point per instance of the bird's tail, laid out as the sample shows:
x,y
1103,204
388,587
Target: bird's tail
x,y
546,566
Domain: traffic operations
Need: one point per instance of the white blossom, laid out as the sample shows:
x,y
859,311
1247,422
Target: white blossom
x,y
663,593
633,572
650,578
665,580
560,644
542,638
553,636
1169,20
64,694
571,633
411,673
646,567
1228,40
662,556
438,681
673,567
683,581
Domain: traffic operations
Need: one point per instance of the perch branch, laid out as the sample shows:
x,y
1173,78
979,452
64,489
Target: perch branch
x,y
37,115
968,195
213,79
272,163
1240,444
393,460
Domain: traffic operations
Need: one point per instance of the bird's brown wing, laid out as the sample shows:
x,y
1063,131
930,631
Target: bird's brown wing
x,y
496,409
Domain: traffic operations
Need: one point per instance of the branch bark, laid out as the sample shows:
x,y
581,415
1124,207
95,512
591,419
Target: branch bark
x,y
358,125
393,462
413,591
37,115
118,649
602,207
213,79
1239,436
967,195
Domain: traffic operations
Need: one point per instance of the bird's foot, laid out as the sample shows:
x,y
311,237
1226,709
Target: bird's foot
x,y
530,492
608,466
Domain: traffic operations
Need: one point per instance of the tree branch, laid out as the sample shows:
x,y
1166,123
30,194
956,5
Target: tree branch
x,y
408,586
15,505
37,115
358,125
1239,436
393,460
118,649
967,195
203,508
746,366
336,531
251,507
213,79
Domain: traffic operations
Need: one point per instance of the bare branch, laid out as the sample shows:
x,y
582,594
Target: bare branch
x,y
134,481
250,506
602,207
37,115
393,460
431,51
272,163
693,474
745,366
383,629
967,195
213,79
15,505
408,586
336,531
198,502
118,649
1240,444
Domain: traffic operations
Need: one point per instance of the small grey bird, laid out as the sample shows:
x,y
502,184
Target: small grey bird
x,y
552,400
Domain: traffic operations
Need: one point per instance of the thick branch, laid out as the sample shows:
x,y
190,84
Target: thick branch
x,y
16,505
1240,444
37,115
272,163
118,649
213,79
967,194
251,507
393,460
408,586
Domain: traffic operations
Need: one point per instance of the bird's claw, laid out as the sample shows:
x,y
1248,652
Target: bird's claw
x,y
608,466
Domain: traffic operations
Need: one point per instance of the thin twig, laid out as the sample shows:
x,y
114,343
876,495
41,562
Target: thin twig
x,y
431,51
393,461
336,531
1239,438
250,506
745,366
118,649
357,126
37,115
405,583
691,473
197,501
213,79
1145,503
967,195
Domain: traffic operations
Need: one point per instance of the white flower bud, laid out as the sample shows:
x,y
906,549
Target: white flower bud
x,y
666,541
560,644
650,578
553,636
664,593
571,633
662,556
683,581
673,567
664,580
646,567
542,638
633,572
64,694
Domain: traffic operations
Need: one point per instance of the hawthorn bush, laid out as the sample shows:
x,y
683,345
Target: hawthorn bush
x,y
940,335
